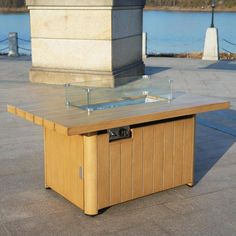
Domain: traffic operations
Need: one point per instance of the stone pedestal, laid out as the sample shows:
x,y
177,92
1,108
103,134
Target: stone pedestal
x,y
86,40
211,48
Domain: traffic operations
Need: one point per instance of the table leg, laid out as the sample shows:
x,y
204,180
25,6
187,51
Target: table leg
x,y
90,175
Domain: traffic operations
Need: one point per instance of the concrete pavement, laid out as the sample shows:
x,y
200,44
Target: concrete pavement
x,y
209,208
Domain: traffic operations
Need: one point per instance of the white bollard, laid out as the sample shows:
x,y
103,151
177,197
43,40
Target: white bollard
x,y
13,44
211,48
144,45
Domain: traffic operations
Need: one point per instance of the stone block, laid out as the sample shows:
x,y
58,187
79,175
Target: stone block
x,y
126,51
126,23
71,24
72,54
89,78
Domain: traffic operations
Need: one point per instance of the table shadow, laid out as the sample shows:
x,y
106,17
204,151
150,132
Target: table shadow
x,y
213,140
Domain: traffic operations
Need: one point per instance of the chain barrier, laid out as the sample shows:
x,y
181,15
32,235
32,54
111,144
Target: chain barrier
x,y
24,40
227,41
3,49
25,49
225,50
3,40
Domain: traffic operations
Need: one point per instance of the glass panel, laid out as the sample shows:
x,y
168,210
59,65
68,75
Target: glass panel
x,y
139,90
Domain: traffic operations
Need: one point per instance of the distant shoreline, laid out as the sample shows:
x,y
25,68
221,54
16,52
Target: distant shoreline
x,y
13,10
180,9
147,8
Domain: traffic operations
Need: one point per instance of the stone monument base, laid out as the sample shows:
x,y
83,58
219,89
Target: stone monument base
x,y
90,78
211,48
86,40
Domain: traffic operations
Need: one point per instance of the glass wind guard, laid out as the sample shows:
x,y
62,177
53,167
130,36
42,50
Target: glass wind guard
x,y
140,90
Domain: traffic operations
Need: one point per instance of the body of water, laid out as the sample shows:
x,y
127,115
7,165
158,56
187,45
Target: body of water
x,y
178,32
168,32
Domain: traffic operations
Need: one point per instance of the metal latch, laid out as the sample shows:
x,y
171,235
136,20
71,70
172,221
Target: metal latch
x,y
119,133
81,172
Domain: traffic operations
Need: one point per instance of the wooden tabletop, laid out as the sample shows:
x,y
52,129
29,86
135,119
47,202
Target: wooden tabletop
x,y
73,121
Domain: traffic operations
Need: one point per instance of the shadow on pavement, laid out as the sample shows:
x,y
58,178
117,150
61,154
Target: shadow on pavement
x,y
222,65
216,133
149,70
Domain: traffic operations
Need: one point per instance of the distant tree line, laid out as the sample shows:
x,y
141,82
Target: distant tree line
x,y
161,3
190,3
12,3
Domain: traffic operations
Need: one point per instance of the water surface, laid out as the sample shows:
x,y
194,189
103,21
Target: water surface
x,y
168,32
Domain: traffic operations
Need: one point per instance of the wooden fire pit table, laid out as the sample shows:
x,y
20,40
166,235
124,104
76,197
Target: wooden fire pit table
x,y
93,172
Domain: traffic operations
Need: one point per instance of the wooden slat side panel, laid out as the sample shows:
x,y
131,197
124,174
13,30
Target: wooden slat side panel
x,y
115,173
188,156
63,158
103,171
168,155
158,157
137,163
73,179
148,141
54,159
126,171
178,152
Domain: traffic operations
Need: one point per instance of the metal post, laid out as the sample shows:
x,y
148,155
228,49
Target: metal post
x,y
13,44
212,13
144,45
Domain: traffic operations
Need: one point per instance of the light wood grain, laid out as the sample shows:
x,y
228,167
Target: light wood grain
x,y
103,171
188,153
148,151
126,171
137,163
168,155
115,172
73,121
157,157
90,175
178,152
63,158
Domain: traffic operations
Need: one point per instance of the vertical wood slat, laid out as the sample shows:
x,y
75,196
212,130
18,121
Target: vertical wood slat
x,y
137,163
115,173
148,148
158,157
103,171
168,155
126,171
178,152
188,155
